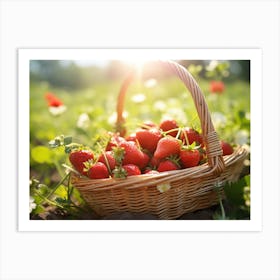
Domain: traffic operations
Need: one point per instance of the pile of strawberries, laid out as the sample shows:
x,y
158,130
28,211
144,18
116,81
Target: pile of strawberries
x,y
151,149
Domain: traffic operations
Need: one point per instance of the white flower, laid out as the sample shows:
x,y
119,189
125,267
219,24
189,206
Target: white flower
x,y
83,121
241,137
32,204
218,119
163,187
150,83
159,105
57,110
138,98
212,65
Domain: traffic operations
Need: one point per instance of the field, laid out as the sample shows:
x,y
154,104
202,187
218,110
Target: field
x,y
87,113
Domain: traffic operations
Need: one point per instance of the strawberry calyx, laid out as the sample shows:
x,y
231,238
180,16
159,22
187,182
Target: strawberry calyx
x,y
88,164
119,172
193,146
118,153
175,159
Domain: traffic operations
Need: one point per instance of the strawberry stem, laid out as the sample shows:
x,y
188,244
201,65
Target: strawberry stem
x,y
107,162
217,187
186,137
170,131
178,133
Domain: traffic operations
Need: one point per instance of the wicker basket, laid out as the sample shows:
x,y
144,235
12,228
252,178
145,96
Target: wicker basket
x,y
188,189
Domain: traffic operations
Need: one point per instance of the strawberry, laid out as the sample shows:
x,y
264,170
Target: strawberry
x,y
227,148
167,165
189,157
132,154
131,137
131,170
190,135
126,170
169,124
98,171
114,142
167,146
148,125
108,159
154,162
148,139
145,161
216,87
78,158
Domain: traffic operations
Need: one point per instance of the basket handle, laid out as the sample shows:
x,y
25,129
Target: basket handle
x,y
210,137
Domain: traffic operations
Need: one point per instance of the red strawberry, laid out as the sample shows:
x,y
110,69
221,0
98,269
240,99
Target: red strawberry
x,y
169,124
167,165
190,135
148,139
145,161
132,154
154,162
227,148
108,159
148,125
98,171
131,169
216,87
189,158
78,158
131,137
166,147
114,142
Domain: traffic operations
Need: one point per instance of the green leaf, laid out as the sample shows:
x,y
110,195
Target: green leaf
x,y
43,189
67,140
235,192
39,209
61,192
247,180
41,154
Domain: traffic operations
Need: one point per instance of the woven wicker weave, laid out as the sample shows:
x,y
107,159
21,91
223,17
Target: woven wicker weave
x,y
190,189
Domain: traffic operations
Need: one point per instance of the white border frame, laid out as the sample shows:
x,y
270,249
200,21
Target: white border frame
x,y
24,57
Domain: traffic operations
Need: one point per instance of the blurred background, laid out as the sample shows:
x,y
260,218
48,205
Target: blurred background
x,y
80,74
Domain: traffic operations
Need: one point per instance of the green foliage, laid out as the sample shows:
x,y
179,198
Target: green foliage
x,y
216,70
41,154
238,196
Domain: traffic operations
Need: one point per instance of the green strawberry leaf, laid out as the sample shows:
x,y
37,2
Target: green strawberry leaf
x,y
67,140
